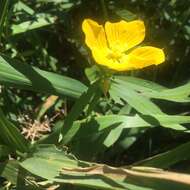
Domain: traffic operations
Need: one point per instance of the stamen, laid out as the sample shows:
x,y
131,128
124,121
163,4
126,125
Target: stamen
x,y
115,56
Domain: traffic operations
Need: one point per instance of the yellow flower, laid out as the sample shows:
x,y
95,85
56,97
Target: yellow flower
x,y
110,44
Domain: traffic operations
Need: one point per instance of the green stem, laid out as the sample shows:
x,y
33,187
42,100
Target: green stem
x,y
104,9
3,11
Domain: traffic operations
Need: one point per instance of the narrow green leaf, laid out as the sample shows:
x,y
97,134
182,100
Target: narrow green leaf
x,y
69,130
40,21
3,11
166,159
140,103
120,91
125,14
138,84
141,120
23,6
11,136
178,94
113,135
119,122
152,90
23,76
9,170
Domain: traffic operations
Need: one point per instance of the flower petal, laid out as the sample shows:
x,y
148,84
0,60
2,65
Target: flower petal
x,y
139,58
124,35
145,56
94,34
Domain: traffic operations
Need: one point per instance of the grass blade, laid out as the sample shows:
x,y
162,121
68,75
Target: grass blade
x,y
166,159
3,12
69,130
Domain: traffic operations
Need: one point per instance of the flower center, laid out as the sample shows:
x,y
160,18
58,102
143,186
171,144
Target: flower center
x,y
115,55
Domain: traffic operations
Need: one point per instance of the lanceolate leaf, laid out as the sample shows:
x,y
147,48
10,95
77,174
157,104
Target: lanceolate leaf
x,y
137,101
123,122
121,91
83,129
141,85
9,170
3,12
11,136
38,22
152,90
178,94
166,159
23,76
69,130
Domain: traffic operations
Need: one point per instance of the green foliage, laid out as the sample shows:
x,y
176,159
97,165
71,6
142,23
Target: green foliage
x,y
61,167
58,108
27,77
11,136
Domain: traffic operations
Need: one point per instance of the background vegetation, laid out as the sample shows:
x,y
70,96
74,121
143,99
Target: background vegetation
x,y
58,130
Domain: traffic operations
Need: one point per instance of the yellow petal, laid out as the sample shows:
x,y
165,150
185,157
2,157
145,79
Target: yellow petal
x,y
124,35
94,34
139,58
145,56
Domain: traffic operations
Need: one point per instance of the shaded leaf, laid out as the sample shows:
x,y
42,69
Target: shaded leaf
x,y
9,170
166,159
40,21
69,130
11,136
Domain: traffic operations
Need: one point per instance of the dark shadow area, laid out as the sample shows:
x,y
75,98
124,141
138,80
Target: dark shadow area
x,y
89,140
2,167
151,120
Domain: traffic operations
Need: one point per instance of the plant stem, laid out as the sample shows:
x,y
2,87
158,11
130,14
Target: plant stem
x,y
3,11
104,9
